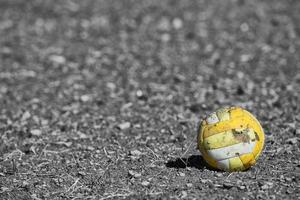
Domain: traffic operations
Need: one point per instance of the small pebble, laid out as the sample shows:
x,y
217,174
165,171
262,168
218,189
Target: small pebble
x,y
135,153
26,116
124,125
57,59
36,132
145,183
134,174
85,98
189,184
184,194
177,23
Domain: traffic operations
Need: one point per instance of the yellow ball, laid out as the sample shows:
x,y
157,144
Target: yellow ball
x,y
230,139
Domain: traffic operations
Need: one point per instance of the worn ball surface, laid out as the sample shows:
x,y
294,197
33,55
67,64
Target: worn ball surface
x,y
230,139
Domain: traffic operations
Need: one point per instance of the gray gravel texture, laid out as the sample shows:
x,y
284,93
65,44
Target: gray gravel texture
x,y
102,99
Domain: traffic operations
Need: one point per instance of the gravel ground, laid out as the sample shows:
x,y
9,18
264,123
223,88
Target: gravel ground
x,y
102,99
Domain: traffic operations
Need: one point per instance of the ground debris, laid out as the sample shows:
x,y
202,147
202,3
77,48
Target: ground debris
x,y
134,174
36,132
145,183
59,59
124,125
103,100
292,140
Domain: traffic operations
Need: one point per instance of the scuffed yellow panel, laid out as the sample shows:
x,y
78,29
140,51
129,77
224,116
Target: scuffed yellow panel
x,y
219,140
223,114
247,159
236,112
228,138
235,163
220,127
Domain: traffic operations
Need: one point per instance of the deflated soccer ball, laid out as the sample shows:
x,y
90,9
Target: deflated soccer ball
x,y
230,139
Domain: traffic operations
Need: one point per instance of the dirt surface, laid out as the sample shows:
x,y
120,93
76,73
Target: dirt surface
x,y
102,99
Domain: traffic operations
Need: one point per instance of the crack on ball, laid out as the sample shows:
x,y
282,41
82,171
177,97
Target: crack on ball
x,y
256,136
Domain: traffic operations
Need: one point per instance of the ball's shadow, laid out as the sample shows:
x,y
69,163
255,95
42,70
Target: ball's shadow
x,y
195,161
